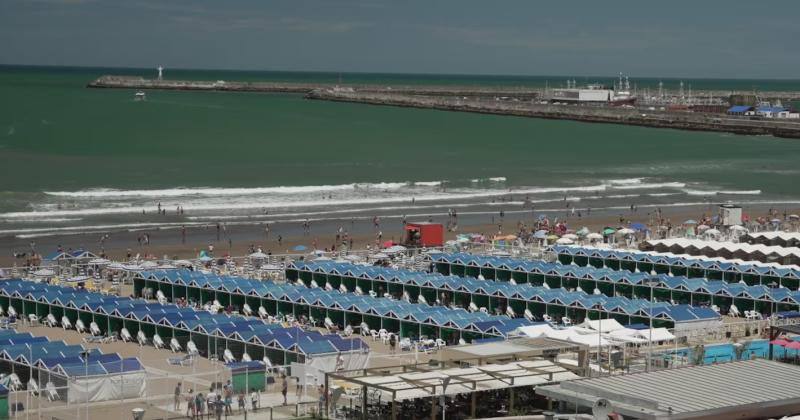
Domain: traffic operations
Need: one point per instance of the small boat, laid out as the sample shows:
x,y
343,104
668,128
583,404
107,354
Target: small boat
x,y
139,96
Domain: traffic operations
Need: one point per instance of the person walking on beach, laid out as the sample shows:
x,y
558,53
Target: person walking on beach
x,y
218,227
241,401
280,239
254,399
228,391
284,388
199,404
190,410
178,397
183,235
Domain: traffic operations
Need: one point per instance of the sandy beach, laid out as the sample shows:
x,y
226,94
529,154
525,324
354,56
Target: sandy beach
x,y
236,240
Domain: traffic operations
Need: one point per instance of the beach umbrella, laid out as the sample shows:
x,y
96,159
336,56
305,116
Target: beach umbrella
x,y
166,267
78,279
690,222
712,232
182,262
258,255
794,216
540,234
703,227
299,248
149,264
380,256
552,238
608,231
638,226
594,236
739,228
570,236
205,258
775,221
625,231
399,248
779,342
318,252
99,261
565,241
583,231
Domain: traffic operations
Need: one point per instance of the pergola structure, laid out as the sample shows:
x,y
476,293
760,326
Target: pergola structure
x,y
409,382
512,350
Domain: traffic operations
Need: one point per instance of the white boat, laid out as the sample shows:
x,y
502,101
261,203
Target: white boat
x,y
139,96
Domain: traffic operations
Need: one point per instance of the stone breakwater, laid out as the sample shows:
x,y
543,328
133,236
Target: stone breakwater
x,y
594,114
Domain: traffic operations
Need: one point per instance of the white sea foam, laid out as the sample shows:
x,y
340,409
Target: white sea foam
x,y
182,192
490,179
626,181
428,183
649,186
694,192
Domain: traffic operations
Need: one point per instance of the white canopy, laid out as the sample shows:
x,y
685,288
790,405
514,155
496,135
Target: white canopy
x,y
605,325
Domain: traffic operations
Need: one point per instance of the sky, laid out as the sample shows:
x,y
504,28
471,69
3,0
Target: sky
x,y
706,38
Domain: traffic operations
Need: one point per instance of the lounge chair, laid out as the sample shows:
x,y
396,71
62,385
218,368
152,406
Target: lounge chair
x,y
186,360
329,324
2,312
12,312
373,294
314,284
33,386
161,298
126,335
364,329
462,342
246,357
734,311
406,297
51,321
343,288
421,299
473,307
405,344
247,310
51,392
191,348
33,319
383,335
175,346
547,318
262,312
66,323
328,286
566,321
528,315
483,309
267,362
358,291
158,342
79,326
95,329
510,312
141,338
374,335
440,343
227,356
348,331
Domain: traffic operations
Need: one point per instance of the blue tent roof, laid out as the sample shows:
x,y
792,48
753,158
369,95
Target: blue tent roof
x,y
738,109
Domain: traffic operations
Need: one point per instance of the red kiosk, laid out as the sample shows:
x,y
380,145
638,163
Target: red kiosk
x,y
424,235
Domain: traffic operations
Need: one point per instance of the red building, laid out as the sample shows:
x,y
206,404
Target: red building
x,y
424,235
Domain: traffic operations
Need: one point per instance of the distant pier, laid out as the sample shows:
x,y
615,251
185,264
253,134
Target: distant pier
x,y
521,102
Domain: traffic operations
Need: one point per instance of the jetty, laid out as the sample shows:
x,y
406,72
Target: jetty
x,y
696,121
511,101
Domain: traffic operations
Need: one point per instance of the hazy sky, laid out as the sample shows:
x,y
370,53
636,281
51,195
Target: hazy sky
x,y
700,38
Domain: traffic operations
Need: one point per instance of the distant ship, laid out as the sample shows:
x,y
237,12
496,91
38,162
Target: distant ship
x,y
622,93
139,96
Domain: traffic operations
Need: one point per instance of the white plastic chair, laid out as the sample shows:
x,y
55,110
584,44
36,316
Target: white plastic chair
x,y
348,331
405,344
191,348
374,335
246,357
66,323
52,392
406,297
566,320
359,291
158,342
364,329
462,342
314,284
2,311
421,299
328,286
328,323
343,288
174,345
95,329
33,386
262,312
51,321
125,335
161,298
483,309
33,319
247,310
79,326
547,318
473,307
12,311
373,294
141,338
440,343
510,312
734,311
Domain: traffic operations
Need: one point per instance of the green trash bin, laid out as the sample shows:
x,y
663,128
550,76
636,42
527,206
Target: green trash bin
x,y
3,402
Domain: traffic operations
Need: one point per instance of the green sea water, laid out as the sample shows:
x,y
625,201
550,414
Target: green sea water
x,y
57,135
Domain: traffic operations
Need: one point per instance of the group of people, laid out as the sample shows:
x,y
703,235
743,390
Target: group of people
x,y
214,405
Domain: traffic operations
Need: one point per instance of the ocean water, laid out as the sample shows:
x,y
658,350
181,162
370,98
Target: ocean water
x,y
76,159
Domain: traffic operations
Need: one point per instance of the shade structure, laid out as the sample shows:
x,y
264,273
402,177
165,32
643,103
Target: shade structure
x,y
780,342
594,236
625,231
565,241
793,345
570,236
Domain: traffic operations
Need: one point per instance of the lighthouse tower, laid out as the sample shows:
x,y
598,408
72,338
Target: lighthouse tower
x,y
160,71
